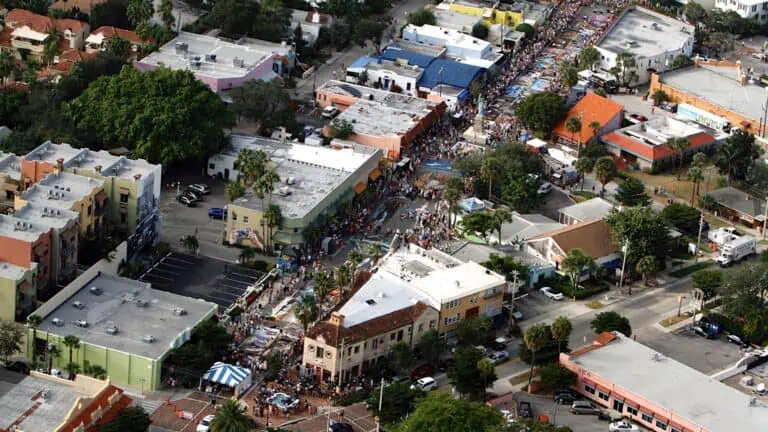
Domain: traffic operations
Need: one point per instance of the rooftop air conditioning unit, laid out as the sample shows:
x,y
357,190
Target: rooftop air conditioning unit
x,y
290,180
57,322
95,290
81,323
78,305
148,338
112,329
142,303
179,311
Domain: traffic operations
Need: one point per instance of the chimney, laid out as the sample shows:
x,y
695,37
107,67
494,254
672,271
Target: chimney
x,y
137,177
336,319
59,165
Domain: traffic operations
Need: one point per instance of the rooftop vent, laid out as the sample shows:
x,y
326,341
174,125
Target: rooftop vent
x,y
142,303
179,311
148,338
95,290
81,323
112,328
370,302
78,305
181,47
210,58
57,322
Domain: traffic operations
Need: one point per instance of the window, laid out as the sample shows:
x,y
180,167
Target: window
x,y
245,219
234,216
647,418
754,8
349,351
408,86
661,425
319,353
123,217
374,343
432,324
9,195
90,210
633,411
357,349
589,389
400,336
365,345
452,319
674,429
211,166
123,197
392,336
602,396
421,327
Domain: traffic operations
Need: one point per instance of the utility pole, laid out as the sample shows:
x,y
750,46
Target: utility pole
x,y
381,398
698,238
623,266
765,218
341,362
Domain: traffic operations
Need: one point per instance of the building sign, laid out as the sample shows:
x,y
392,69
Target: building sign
x,y
690,112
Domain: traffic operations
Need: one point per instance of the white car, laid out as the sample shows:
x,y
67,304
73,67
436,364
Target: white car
x,y
330,112
547,291
622,426
205,423
424,384
545,188
200,187
498,357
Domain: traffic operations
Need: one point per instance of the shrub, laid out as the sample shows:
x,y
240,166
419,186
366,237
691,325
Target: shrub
x,y
353,397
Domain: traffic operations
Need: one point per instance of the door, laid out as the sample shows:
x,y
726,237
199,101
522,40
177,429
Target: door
x,y
472,312
618,406
226,173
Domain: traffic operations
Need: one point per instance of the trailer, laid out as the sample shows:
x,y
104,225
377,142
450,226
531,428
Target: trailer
x,y
737,250
721,236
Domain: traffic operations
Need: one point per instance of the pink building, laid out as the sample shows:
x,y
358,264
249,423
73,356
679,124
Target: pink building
x,y
659,393
221,64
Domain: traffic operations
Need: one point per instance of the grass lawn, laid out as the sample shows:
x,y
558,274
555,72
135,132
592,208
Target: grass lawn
x,y
691,269
679,188
668,322
584,195
594,304
714,222
522,378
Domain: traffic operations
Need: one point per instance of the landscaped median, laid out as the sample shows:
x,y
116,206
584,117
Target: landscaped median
x,y
691,269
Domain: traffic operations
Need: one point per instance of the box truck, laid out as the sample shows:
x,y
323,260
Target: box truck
x,y
736,250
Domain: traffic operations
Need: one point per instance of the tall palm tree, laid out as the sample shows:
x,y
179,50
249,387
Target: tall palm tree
x,y
307,311
573,125
72,342
274,219
53,352
247,254
234,190
270,177
487,370
51,46
34,321
374,252
500,217
250,164
678,145
696,176
487,170
354,260
191,243
323,285
452,197
561,331
343,277
584,166
536,337
231,418
595,126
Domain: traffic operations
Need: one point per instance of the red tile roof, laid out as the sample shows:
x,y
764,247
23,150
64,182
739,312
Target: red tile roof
x,y
71,24
101,402
109,32
41,23
653,152
591,108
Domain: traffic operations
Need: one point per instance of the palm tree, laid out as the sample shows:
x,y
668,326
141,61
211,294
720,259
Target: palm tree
x,y
487,370
595,126
323,285
7,66
584,166
53,352
696,176
234,191
270,177
354,260
374,252
343,277
678,145
500,217
33,322
72,342
536,337
95,371
231,418
250,164
605,170
274,219
573,125
51,46
139,11
646,266
247,254
561,331
487,172
72,369
307,311
452,197
191,243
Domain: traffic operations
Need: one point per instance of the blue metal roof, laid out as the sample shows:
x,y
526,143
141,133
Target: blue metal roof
x,y
394,53
361,62
454,74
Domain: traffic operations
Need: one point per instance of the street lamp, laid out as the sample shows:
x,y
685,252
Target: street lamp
x,y
625,249
440,84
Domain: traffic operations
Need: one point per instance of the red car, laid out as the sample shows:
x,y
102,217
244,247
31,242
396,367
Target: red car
x,y
422,371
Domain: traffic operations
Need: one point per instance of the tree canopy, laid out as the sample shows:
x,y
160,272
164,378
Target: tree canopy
x,y
163,116
266,104
632,193
611,321
399,401
645,231
441,412
683,217
737,154
421,17
541,111
131,419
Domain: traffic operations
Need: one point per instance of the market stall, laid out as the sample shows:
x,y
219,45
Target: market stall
x,y
237,378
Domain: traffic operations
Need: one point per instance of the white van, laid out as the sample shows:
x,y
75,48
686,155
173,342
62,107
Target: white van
x,y
424,384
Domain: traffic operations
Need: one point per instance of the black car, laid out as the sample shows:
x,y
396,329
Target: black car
x,y
524,410
565,398
18,366
340,427
193,194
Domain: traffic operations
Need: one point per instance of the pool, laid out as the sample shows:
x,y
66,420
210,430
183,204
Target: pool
x,y
283,401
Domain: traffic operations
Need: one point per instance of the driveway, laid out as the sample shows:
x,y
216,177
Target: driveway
x,y
705,355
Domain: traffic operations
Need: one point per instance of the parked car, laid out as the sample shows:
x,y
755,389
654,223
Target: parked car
x,y
545,188
584,407
424,384
186,201
200,187
622,426
335,426
422,371
550,294
702,329
498,357
667,106
565,398
216,213
18,366
205,423
445,365
193,194
524,410
330,112
500,343
744,343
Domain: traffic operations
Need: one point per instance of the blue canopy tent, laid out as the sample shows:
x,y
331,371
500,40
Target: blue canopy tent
x,y
239,378
472,204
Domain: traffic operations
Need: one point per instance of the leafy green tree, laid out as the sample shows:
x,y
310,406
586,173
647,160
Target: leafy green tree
x,y
534,425
480,30
695,14
274,366
7,66
367,30
743,293
10,339
632,193
487,371
430,346
589,58
166,14
678,145
139,11
683,217
422,16
464,374
111,13
307,311
521,192
527,29
481,223
536,337
645,231
541,111
474,330
506,265
341,129
163,116
625,70
118,47
556,377
401,357
500,217
52,46
611,321
569,74
441,412
659,97
131,419
399,401
681,61
561,329
737,154
234,190
323,285
647,266
575,262
266,104
709,281
584,166
231,417
605,170
234,16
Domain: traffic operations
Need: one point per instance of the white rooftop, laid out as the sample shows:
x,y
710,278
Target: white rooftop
x,y
186,48
50,197
73,185
21,229
411,71
21,404
454,37
134,308
13,272
397,101
456,282
370,118
658,130
110,165
43,214
454,20
315,171
673,386
595,208
10,165
646,33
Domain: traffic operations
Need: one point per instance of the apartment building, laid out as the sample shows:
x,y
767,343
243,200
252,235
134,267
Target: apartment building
x,y
27,245
65,191
132,187
18,291
749,9
10,180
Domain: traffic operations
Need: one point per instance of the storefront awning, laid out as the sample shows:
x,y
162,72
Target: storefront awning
x,y
360,187
375,174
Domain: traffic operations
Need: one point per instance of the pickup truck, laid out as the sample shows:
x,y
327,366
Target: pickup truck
x,y
524,410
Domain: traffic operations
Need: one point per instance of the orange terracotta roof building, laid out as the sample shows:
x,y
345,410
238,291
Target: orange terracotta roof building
x,y
109,32
589,109
595,238
20,17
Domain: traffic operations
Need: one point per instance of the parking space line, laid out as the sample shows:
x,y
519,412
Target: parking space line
x,y
174,257
227,293
243,275
163,263
219,298
157,269
156,276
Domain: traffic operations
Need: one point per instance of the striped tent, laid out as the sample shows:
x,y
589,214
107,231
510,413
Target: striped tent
x,y
227,374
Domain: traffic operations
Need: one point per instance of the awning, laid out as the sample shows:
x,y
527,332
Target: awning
x,y
360,187
227,374
375,174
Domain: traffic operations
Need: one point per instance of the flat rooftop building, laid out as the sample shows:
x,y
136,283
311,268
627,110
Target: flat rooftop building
x,y
221,64
657,392
653,39
124,325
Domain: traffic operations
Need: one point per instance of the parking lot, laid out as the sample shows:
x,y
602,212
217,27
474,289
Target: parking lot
x,y
201,277
705,355
356,415
559,414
